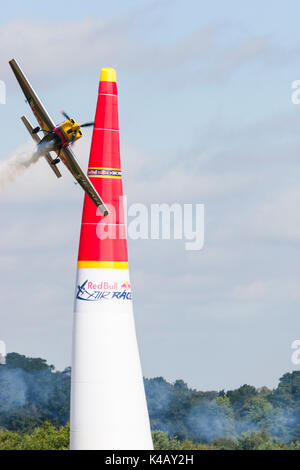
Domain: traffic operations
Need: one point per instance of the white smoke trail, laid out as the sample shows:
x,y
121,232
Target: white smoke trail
x,y
16,165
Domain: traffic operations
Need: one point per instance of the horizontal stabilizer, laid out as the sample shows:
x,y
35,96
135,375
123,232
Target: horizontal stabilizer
x,y
37,140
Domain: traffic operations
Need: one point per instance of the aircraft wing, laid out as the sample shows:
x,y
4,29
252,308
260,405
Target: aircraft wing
x,y
43,118
68,157
37,140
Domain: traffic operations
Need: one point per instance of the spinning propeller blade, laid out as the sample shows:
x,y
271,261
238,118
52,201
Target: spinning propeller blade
x,y
87,124
65,114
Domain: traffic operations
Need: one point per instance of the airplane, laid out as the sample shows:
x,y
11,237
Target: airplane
x,y
57,138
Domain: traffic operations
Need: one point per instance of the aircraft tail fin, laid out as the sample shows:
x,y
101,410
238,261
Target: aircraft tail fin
x,y
37,140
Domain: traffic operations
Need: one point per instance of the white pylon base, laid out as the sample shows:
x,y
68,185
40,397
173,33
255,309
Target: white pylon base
x,y
108,405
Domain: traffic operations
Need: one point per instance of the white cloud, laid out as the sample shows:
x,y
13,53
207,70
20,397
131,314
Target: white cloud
x,y
279,219
181,181
253,291
277,289
258,218
39,184
47,49
254,49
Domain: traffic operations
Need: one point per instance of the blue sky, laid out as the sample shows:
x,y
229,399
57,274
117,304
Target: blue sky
x,y
206,117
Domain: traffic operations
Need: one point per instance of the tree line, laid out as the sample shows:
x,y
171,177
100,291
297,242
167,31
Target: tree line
x,y
35,401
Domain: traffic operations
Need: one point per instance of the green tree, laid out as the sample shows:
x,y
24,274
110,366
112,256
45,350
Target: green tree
x,y
45,437
287,394
257,410
239,397
48,437
30,364
162,441
255,441
211,419
223,443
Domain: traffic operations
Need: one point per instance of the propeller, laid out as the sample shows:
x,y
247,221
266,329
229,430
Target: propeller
x,y
74,134
87,124
65,114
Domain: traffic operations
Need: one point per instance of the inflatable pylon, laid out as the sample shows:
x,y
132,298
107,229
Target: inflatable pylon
x,y
108,404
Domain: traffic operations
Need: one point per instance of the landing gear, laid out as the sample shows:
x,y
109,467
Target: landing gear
x,y
57,160
38,129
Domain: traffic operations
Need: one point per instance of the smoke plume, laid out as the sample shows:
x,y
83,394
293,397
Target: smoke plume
x,y
16,165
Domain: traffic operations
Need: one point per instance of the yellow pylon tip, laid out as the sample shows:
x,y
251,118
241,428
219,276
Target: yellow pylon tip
x,y
108,75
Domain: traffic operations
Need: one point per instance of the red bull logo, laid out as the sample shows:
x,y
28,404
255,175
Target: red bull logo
x,y
126,285
102,285
103,290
